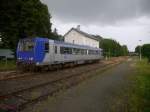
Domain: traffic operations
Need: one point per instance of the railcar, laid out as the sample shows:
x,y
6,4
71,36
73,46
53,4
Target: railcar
x,y
42,52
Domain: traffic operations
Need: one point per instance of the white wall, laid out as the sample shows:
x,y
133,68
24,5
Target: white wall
x,y
77,38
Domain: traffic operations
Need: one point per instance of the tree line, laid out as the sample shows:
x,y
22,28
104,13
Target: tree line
x,y
112,48
30,18
144,50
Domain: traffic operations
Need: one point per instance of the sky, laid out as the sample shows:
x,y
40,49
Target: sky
x,y
126,21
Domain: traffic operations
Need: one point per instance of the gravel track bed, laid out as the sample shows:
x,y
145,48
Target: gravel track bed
x,y
10,86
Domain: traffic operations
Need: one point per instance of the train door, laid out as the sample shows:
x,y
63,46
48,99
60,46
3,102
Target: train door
x,y
57,54
51,52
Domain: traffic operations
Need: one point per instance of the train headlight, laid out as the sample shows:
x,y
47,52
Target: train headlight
x,y
19,58
37,63
31,59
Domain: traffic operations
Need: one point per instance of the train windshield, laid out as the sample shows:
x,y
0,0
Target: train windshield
x,y
26,45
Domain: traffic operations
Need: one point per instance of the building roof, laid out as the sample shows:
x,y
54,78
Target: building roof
x,y
6,53
83,33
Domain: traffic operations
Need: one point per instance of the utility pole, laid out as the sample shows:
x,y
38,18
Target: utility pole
x,y
140,50
109,53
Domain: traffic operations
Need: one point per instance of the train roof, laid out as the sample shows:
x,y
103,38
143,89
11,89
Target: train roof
x,y
75,45
66,44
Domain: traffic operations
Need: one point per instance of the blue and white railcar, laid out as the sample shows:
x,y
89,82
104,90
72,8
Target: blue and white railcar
x,y
43,51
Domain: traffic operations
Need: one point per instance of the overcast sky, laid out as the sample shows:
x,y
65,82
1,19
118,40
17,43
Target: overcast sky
x,y
126,21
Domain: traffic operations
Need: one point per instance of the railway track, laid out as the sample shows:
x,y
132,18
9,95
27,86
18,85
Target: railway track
x,y
10,75
24,97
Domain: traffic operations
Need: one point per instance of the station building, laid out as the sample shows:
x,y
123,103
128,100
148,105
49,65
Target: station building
x,y
76,36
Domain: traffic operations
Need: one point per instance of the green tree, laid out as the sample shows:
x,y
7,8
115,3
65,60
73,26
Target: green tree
x,y
23,18
146,51
124,50
137,49
56,36
113,48
35,18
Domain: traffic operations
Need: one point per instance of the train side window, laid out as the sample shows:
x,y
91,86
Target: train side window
x,y
66,50
55,49
74,51
97,52
70,50
85,51
46,49
91,52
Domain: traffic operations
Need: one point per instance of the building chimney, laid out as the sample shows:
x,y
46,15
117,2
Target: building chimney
x,y
78,27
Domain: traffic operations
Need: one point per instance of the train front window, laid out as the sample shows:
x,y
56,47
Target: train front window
x,y
26,45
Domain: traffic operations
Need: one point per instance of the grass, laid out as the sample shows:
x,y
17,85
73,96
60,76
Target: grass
x,y
10,65
136,97
140,95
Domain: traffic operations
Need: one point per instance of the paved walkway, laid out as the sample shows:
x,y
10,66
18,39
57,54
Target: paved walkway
x,y
93,95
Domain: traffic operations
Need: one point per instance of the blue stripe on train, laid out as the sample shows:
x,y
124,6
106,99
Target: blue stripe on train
x,y
39,49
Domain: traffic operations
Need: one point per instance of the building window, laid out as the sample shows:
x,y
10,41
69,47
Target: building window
x,y
73,42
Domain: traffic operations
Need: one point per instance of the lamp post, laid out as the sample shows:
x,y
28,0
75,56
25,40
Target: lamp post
x,y
140,50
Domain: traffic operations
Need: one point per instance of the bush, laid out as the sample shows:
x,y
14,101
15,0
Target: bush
x,y
7,65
